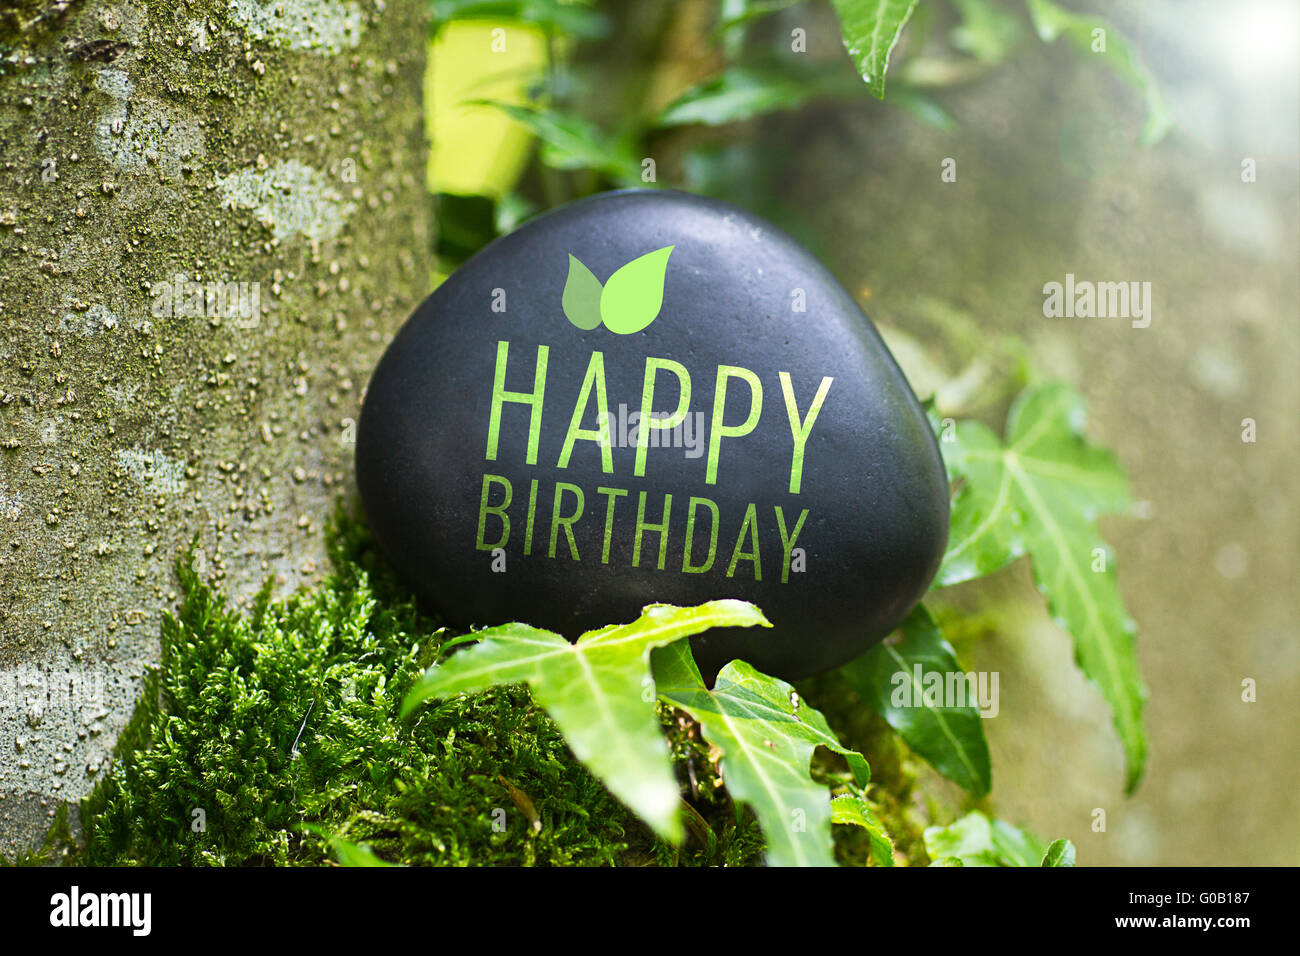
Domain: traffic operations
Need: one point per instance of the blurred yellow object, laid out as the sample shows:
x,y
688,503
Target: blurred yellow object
x,y
478,150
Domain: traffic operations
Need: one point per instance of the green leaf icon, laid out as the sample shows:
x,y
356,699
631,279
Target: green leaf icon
x,y
634,294
581,298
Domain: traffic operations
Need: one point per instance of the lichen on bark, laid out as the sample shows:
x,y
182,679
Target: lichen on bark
x,y
212,219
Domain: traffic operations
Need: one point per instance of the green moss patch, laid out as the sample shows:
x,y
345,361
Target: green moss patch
x,y
257,724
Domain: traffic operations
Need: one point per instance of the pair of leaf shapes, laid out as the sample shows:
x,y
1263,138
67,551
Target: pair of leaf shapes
x,y
627,303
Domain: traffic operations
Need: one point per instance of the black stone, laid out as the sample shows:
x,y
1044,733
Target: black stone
x,y
872,480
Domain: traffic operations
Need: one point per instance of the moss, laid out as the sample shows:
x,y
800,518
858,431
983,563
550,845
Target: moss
x,y
206,772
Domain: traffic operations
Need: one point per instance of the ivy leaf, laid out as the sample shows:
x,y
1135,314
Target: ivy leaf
x,y
581,299
1041,494
986,527
975,840
969,841
870,29
352,854
572,142
853,810
348,853
594,690
634,294
741,93
1060,853
1014,846
949,737
767,736
1052,21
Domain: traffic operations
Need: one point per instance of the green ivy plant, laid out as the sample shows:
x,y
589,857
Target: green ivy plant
x,y
1040,494
950,737
594,690
1037,495
767,737
600,692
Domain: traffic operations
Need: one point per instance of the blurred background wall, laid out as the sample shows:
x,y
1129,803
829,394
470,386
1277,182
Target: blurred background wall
x,y
1050,182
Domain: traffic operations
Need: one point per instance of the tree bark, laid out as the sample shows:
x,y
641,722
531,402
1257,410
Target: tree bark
x,y
212,219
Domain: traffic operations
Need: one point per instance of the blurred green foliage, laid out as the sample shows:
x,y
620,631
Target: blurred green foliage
x,y
655,94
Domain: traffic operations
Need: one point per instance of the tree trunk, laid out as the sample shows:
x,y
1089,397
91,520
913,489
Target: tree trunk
x,y
212,218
